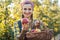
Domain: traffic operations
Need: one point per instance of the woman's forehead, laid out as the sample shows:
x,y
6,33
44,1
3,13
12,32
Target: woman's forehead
x,y
27,6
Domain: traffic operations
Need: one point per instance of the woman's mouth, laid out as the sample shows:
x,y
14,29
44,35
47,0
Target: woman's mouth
x,y
27,13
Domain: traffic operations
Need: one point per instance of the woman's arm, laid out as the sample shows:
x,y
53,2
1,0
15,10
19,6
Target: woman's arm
x,y
22,34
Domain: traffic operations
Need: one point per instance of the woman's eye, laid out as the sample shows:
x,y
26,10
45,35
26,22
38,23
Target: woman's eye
x,y
25,8
29,9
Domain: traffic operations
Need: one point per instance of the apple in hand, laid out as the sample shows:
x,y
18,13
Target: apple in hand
x,y
25,21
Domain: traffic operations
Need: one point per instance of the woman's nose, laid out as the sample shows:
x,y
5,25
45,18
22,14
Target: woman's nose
x,y
27,11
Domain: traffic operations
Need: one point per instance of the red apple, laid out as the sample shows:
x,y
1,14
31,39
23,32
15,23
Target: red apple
x,y
32,30
25,21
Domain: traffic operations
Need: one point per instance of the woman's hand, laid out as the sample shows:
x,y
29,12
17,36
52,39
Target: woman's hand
x,y
25,26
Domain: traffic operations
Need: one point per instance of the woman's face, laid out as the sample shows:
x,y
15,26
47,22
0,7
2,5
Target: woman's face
x,y
27,10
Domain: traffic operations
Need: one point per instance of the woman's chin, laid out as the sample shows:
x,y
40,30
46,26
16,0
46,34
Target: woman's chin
x,y
27,16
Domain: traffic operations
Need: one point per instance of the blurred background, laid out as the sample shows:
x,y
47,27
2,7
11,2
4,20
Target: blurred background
x,y
46,10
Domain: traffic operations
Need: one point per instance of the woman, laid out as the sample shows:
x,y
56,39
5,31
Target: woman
x,y
27,12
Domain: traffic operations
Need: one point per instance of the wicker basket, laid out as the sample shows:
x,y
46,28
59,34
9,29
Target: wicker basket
x,y
44,35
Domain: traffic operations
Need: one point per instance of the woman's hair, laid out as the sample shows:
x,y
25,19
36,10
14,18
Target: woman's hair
x,y
27,2
31,17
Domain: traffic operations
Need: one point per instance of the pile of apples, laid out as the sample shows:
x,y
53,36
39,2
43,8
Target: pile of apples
x,y
35,30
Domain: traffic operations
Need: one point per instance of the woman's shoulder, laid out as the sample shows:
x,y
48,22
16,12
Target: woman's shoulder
x,y
17,22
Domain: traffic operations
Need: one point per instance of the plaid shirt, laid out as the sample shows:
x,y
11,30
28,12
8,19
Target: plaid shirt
x,y
17,29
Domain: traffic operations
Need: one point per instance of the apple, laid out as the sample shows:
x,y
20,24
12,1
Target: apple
x,y
25,21
35,30
32,30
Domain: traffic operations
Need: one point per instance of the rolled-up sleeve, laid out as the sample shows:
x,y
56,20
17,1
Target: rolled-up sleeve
x,y
16,30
